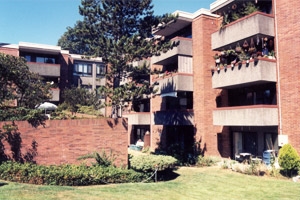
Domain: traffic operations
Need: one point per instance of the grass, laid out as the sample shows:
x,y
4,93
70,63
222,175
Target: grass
x,y
191,183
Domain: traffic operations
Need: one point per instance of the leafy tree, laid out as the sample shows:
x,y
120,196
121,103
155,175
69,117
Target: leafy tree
x,y
18,83
74,39
76,97
119,31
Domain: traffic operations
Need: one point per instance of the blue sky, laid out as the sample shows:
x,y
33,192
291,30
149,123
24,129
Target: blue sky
x,y
44,21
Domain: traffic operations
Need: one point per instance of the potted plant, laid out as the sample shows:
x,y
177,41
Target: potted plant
x,y
247,58
271,55
212,69
219,67
240,64
217,59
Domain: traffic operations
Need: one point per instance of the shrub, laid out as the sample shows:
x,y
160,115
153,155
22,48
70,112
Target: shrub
x,y
206,161
101,159
90,110
149,162
70,175
288,159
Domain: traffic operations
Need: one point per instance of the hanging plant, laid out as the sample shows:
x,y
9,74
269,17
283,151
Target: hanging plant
x,y
238,48
245,44
217,58
234,6
252,48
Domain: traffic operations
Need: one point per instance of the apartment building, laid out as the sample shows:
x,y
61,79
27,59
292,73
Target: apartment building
x,y
137,112
257,105
231,85
247,106
58,67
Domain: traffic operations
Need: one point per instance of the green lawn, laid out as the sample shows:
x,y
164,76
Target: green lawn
x,y
192,183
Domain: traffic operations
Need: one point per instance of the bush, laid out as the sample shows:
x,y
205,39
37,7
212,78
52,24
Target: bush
x,y
101,159
206,161
90,110
69,175
288,159
149,162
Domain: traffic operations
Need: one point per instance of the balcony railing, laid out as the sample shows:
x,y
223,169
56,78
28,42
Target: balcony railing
x,y
184,48
246,74
256,115
137,118
255,24
44,69
89,80
171,82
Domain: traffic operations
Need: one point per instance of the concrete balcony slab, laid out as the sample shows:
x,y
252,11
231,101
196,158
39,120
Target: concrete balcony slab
x,y
256,115
45,69
248,74
255,24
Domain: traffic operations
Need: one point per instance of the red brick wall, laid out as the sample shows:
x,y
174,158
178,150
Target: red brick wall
x,y
288,23
9,51
63,141
204,95
157,137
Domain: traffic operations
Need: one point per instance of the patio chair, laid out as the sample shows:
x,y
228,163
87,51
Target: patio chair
x,y
238,157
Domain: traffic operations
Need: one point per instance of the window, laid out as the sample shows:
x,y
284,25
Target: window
x,y
40,58
181,100
82,69
28,58
100,69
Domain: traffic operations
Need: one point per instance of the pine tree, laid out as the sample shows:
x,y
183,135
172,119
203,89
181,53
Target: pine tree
x,y
119,31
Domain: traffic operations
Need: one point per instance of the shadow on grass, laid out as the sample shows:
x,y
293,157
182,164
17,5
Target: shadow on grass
x,y
167,175
2,184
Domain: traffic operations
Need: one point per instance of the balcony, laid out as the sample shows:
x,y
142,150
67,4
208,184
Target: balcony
x,y
256,24
89,80
44,69
184,49
185,117
139,118
183,20
248,74
166,83
257,115
55,94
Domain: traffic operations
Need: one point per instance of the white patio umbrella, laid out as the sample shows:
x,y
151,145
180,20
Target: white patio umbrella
x,y
47,106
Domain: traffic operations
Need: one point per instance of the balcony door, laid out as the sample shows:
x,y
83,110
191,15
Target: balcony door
x,y
237,142
250,142
245,142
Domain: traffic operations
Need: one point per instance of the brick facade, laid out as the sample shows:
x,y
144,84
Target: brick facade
x,y
288,31
63,141
9,49
204,95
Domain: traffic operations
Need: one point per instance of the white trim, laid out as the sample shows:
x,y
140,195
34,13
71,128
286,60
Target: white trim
x,y
82,57
169,94
201,11
28,45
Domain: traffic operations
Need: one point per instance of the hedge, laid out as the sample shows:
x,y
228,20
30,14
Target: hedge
x,y
68,175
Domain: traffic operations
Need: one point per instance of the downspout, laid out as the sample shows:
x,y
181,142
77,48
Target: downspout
x,y
277,69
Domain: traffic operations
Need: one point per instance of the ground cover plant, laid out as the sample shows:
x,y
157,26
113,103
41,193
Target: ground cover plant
x,y
191,183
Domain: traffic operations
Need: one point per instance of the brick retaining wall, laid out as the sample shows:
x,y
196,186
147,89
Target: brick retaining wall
x,y
63,141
